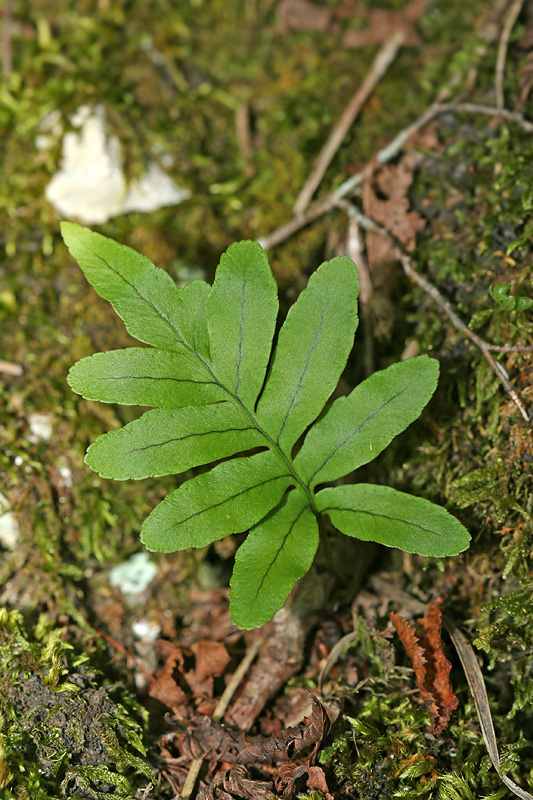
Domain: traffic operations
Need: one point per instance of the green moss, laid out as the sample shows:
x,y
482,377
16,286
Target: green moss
x,y
62,730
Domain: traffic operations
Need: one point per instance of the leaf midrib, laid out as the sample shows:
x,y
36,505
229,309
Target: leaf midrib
x,y
187,436
223,502
353,433
379,515
278,551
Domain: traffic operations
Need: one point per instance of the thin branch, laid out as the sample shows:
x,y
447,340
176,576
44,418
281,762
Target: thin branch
x,y
218,713
120,647
236,678
491,111
384,58
386,154
512,16
410,271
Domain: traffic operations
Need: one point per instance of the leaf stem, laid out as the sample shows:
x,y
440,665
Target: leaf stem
x,y
330,561
272,444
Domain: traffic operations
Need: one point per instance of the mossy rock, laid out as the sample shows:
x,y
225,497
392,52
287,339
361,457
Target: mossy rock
x,y
63,733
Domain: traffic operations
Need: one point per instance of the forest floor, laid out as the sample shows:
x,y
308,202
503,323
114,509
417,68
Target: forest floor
x,y
117,666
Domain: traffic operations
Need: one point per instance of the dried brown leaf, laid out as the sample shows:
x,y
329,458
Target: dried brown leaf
x,y
211,658
164,688
385,200
317,780
439,674
432,668
207,739
236,782
409,639
304,15
286,775
382,24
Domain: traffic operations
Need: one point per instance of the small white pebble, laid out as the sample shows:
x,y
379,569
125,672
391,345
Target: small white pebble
x,y
134,575
9,527
66,476
146,630
41,426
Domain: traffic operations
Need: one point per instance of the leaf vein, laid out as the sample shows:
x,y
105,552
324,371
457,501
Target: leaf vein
x,y
278,551
188,436
152,378
241,335
304,369
354,432
226,500
379,516
147,301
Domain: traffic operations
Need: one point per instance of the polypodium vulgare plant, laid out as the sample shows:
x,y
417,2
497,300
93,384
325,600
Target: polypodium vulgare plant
x,y
219,388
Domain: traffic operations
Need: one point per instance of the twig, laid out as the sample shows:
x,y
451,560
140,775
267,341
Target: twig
x,y
491,111
237,677
218,713
508,26
328,203
384,58
243,130
428,287
487,36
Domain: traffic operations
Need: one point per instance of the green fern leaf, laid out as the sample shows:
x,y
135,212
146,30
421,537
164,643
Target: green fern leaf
x,y
217,390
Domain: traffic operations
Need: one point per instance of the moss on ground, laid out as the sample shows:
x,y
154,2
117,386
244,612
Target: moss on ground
x,y
62,729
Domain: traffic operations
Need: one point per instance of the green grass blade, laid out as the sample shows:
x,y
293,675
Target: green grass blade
x,y
395,519
142,376
228,499
355,429
311,353
277,551
242,309
166,441
144,296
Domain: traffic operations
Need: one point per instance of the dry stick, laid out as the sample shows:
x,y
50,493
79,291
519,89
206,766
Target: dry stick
x,y
465,80
475,108
384,58
218,713
508,26
325,205
428,287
